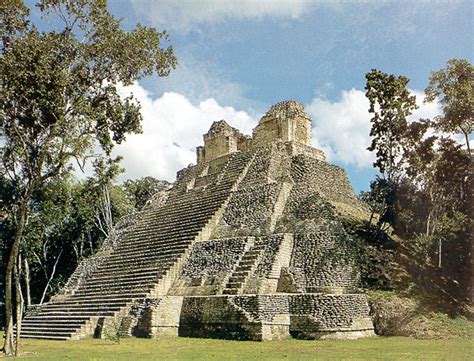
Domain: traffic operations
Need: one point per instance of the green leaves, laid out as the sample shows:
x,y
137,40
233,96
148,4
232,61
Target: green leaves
x,y
453,86
391,104
59,88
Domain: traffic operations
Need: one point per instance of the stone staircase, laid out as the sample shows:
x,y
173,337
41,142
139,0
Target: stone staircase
x,y
138,262
246,266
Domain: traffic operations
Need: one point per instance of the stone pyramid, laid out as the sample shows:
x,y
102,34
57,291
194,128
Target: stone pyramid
x,y
247,244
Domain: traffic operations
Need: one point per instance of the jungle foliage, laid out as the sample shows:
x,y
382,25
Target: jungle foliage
x,y
422,198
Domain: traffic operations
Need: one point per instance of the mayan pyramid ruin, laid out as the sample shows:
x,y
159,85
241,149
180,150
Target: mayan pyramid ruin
x,y
248,244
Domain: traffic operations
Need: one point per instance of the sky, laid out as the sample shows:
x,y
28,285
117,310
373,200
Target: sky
x,y
237,58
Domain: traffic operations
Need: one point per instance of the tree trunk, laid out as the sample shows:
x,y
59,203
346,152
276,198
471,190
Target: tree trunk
x,y
19,307
50,277
466,136
26,269
440,242
12,259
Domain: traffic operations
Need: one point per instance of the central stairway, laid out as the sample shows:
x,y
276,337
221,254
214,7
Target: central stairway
x,y
246,266
140,260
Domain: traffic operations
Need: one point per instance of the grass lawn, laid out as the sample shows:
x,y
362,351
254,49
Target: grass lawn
x,y
377,348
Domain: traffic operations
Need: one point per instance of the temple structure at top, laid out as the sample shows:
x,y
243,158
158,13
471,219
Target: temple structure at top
x,y
286,121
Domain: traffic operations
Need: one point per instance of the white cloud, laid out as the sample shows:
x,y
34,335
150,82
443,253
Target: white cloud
x,y
200,80
342,128
181,15
172,128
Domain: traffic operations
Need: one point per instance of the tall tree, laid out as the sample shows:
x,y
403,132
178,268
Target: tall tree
x,y
59,97
390,103
453,86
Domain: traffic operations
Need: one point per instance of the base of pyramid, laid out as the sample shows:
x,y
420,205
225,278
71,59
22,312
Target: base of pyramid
x,y
257,317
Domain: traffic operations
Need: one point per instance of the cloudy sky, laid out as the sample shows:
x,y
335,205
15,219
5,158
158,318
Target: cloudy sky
x,y
237,58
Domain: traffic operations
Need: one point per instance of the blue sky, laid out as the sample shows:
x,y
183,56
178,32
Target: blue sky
x,y
237,58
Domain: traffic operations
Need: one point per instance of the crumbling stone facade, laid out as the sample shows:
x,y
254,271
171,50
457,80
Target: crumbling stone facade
x,y
247,244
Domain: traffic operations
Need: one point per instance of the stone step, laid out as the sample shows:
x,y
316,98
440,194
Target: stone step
x,y
38,319
236,279
56,318
106,298
123,278
157,236
55,333
129,275
240,273
82,307
128,264
122,267
45,327
230,291
154,244
166,225
114,286
200,207
46,337
246,267
159,251
114,290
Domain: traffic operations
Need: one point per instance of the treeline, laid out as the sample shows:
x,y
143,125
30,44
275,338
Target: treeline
x,y
420,232
67,221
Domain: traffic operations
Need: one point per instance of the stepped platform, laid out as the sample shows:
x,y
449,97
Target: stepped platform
x,y
247,244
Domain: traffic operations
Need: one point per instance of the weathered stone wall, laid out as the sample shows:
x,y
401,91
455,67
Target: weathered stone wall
x,y
258,172
314,176
263,307
209,265
266,317
330,316
249,211
232,317
322,264
286,121
216,317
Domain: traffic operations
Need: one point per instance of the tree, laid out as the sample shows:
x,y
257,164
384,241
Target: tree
x,y
59,97
454,87
141,190
424,194
391,104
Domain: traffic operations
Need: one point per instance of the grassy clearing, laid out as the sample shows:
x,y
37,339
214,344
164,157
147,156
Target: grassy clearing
x,y
377,348
398,316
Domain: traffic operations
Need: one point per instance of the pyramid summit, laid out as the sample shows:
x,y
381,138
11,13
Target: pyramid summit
x,y
248,244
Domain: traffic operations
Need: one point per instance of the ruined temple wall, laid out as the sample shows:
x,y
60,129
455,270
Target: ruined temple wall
x,y
216,147
267,317
248,212
216,317
322,263
314,176
330,316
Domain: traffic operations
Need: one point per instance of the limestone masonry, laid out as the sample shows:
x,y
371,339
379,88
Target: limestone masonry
x,y
247,244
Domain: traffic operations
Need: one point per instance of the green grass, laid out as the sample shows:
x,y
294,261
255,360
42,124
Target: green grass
x,y
377,348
